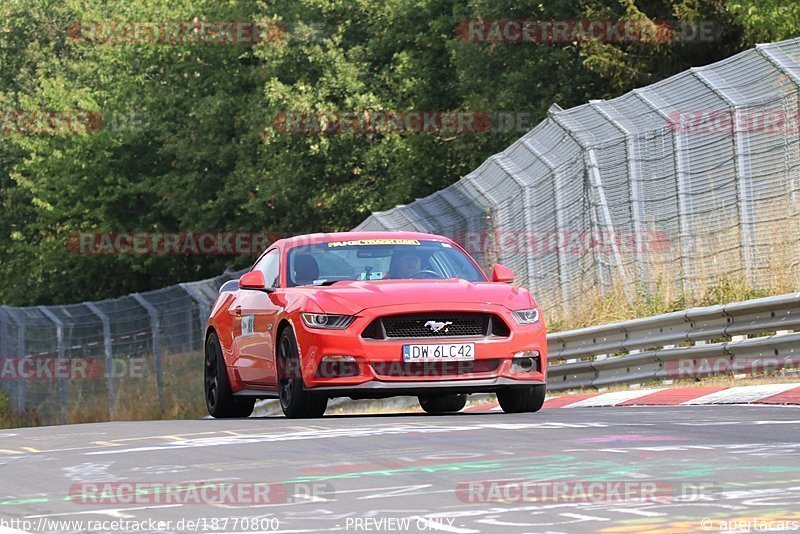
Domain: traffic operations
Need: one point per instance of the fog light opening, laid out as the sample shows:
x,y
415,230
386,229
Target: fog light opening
x,y
525,361
337,367
524,364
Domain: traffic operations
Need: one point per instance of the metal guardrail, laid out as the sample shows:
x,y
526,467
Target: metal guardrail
x,y
755,336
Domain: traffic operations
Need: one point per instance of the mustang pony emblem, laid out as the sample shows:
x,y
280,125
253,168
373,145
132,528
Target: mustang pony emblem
x,y
435,326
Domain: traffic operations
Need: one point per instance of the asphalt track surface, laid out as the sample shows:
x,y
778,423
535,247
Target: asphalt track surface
x,y
410,473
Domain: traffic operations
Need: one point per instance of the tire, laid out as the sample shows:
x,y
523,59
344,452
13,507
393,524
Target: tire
x,y
296,402
220,402
443,403
521,400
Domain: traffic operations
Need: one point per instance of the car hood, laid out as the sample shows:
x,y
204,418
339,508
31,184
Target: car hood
x,y
353,297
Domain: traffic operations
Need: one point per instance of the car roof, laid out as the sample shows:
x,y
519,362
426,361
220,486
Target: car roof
x,y
310,239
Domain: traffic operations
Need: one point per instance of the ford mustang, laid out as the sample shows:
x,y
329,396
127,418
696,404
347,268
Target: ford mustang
x,y
372,315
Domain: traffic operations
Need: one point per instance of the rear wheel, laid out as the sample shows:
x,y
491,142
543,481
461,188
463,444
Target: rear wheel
x,y
443,403
520,400
220,401
296,402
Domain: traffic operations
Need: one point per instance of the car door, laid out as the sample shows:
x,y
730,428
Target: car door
x,y
255,313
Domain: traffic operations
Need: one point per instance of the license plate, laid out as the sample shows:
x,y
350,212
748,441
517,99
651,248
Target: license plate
x,y
449,352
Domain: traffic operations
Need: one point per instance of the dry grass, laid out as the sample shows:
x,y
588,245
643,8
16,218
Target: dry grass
x,y
135,398
654,282
9,419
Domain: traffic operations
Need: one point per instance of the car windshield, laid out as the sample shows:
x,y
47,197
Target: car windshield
x,y
378,259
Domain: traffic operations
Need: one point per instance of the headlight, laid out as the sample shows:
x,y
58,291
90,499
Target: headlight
x,y
327,321
528,316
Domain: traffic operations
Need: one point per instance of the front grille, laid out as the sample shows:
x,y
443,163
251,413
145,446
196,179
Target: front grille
x,y
436,325
434,368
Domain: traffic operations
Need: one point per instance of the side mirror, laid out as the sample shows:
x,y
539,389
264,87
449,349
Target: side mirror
x,y
501,273
254,280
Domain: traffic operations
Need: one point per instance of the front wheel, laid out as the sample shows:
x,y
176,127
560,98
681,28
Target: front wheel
x,y
296,402
520,400
220,402
443,403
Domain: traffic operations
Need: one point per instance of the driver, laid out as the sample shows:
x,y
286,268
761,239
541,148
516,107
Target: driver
x,y
404,264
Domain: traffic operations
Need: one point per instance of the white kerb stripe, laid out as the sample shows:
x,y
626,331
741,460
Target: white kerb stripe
x,y
612,399
742,394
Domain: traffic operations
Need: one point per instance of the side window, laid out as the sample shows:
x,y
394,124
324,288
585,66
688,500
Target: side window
x,y
270,266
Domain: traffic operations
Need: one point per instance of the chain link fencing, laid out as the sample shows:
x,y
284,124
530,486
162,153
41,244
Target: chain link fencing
x,y
115,358
683,182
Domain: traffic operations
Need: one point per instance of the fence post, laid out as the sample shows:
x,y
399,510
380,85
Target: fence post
x,y
203,306
512,169
634,175
18,318
5,350
108,353
744,179
685,222
558,208
787,65
155,327
602,202
62,381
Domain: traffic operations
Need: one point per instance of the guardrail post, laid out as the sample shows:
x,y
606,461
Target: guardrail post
x,y
155,327
62,381
108,353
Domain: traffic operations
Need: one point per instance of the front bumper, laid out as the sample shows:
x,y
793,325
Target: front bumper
x,y
376,389
380,371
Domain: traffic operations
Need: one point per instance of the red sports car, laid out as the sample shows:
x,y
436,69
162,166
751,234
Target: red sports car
x,y
372,315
